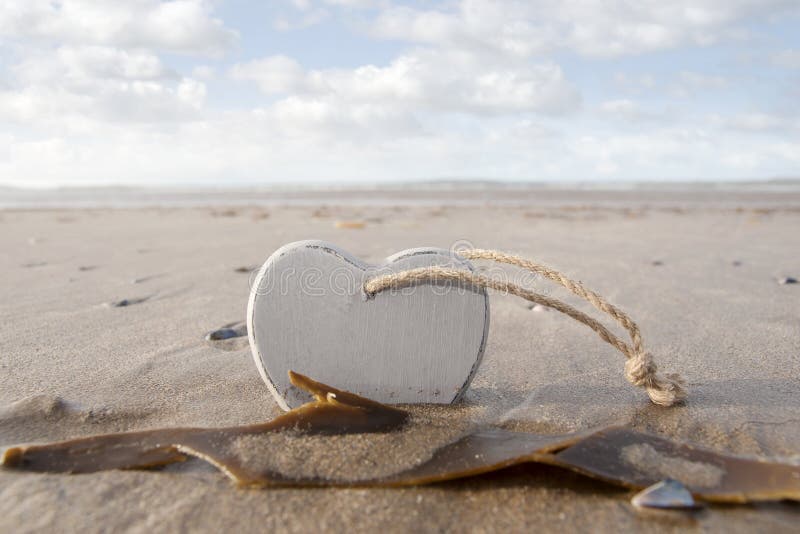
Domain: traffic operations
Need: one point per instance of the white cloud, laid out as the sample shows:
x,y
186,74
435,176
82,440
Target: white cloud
x,y
84,64
757,122
191,93
259,147
73,62
312,13
98,82
787,151
181,26
326,119
135,101
594,28
424,80
660,153
504,27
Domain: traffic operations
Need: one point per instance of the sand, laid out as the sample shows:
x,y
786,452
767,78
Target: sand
x,y
356,457
700,277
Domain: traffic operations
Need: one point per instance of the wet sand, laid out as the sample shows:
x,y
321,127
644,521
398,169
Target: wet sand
x,y
701,278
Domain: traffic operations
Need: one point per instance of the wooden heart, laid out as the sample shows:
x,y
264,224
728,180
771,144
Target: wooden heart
x,y
308,312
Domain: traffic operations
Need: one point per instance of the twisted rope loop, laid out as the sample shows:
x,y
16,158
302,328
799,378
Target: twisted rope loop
x,y
640,369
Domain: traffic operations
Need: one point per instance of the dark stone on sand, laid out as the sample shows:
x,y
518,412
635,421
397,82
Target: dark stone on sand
x,y
230,337
222,333
787,280
125,302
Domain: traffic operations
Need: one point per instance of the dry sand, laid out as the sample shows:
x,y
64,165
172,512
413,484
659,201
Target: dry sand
x,y
701,280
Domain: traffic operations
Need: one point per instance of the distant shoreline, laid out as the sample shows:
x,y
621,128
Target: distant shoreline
x,y
666,194
436,184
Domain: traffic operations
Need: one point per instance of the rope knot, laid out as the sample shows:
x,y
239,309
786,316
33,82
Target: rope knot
x,y
640,369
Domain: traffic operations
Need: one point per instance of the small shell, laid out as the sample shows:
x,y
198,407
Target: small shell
x,y
668,493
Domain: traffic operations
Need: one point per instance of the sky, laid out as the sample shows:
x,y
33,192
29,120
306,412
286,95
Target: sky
x,y
234,92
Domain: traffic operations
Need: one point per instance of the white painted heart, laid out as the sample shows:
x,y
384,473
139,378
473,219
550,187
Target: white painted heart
x,y
308,312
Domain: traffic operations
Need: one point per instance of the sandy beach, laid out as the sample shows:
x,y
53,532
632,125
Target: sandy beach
x,y
699,272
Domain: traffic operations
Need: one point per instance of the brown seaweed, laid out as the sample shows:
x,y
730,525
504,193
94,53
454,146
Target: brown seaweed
x,y
333,412
618,455
637,460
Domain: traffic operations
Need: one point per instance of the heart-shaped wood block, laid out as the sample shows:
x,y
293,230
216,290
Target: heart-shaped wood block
x,y
308,312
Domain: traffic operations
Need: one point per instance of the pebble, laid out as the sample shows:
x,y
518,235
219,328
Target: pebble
x,y
787,280
222,333
230,337
125,302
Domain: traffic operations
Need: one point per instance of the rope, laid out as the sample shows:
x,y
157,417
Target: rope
x,y
640,369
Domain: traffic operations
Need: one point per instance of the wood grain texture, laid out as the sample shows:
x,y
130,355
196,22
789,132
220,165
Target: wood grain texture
x,y
308,313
